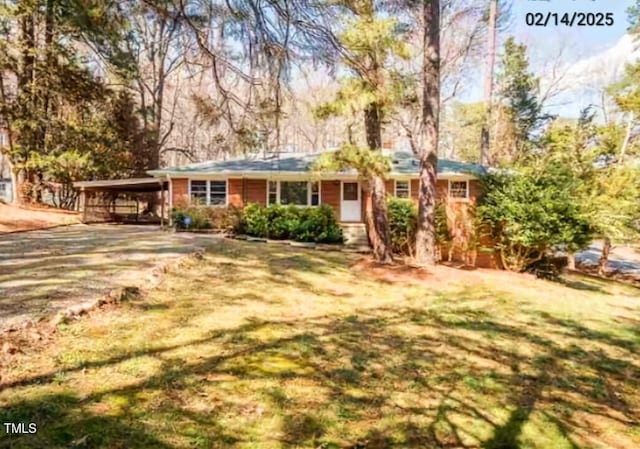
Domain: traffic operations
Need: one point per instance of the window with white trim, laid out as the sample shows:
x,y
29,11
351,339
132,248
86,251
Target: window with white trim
x,y
273,192
403,189
459,189
198,191
208,193
314,194
294,192
217,193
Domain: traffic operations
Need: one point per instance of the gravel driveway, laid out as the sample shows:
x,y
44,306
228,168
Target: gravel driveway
x,y
42,272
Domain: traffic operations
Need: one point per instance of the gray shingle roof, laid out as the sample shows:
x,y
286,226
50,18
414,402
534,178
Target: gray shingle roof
x,y
403,163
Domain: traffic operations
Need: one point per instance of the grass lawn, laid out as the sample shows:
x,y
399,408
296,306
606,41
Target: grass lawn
x,y
261,346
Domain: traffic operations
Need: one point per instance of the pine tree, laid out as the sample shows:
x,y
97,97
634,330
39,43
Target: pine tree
x,y
369,43
44,83
517,96
426,239
607,188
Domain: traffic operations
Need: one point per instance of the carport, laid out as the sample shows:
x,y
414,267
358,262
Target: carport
x,y
119,199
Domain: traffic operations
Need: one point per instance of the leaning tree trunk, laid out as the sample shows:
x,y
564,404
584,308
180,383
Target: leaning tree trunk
x,y
604,256
426,252
378,223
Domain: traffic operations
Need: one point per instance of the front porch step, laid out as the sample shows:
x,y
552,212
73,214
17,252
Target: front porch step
x,y
355,234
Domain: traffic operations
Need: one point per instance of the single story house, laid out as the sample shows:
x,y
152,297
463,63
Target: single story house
x,y
288,179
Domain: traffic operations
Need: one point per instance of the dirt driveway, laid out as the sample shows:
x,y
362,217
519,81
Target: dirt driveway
x,y
44,271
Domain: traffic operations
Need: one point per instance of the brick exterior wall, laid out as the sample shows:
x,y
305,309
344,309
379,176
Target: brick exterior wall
x,y
330,195
234,195
415,189
244,191
256,191
180,192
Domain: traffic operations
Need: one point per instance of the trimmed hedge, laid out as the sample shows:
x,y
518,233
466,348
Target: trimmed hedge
x,y
403,223
302,224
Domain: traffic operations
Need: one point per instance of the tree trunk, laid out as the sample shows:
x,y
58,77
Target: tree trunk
x,y
15,199
20,177
571,261
488,82
379,223
604,257
627,138
382,243
426,252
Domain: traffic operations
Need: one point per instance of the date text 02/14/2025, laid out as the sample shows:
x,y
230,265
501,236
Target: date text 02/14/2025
x,y
576,18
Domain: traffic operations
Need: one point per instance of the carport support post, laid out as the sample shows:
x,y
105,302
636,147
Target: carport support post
x,y
162,203
83,200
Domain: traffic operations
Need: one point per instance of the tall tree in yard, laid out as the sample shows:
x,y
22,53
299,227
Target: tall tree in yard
x,y
157,42
427,153
607,188
488,81
518,100
369,44
42,77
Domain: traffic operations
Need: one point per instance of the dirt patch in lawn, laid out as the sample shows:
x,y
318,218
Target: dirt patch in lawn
x,y
14,218
392,273
438,275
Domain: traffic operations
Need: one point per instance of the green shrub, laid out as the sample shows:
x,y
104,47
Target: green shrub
x,y
302,224
318,224
528,214
403,224
283,221
403,221
255,220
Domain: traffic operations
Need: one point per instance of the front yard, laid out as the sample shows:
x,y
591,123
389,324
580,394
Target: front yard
x,y
260,346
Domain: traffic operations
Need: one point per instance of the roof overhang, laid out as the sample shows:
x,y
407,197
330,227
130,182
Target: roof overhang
x,y
122,185
293,175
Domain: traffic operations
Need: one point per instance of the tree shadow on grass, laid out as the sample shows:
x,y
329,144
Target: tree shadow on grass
x,y
581,285
455,374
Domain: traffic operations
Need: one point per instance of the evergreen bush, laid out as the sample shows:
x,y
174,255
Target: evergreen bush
x,y
528,214
403,224
302,224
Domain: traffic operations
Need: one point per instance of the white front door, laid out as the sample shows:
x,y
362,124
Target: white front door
x,y
351,202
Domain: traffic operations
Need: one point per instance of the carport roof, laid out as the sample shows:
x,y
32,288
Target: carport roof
x,y
122,185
